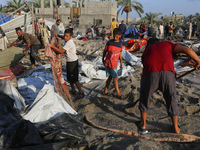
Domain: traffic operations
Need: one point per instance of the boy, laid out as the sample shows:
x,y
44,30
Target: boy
x,y
72,62
113,52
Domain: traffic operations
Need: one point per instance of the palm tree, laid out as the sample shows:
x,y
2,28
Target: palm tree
x,y
36,3
2,8
151,18
14,4
128,5
80,3
47,3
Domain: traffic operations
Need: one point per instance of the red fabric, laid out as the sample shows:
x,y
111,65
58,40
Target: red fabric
x,y
135,44
143,26
59,83
10,73
113,50
84,39
158,57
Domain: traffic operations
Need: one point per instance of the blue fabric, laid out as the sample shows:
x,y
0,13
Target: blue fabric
x,y
111,72
5,20
131,29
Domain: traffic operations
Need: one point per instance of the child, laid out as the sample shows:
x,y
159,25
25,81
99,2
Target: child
x,y
103,33
113,52
72,62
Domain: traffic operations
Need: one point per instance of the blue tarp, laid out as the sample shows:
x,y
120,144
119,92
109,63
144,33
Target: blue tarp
x,y
132,29
2,15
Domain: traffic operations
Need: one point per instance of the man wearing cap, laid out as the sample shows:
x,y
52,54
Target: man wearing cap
x,y
122,26
32,42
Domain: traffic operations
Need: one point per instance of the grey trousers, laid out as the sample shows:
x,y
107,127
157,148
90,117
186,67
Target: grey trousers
x,y
165,82
33,53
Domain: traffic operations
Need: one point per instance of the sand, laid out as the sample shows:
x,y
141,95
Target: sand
x,y
95,104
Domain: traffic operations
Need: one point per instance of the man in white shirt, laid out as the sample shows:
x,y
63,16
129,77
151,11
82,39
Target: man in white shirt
x,y
161,31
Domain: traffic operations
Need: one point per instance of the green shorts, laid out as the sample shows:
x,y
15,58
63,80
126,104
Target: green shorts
x,y
111,72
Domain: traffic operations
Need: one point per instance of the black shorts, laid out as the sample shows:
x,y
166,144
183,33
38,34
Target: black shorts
x,y
72,71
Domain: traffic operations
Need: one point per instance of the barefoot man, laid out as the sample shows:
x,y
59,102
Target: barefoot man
x,y
159,74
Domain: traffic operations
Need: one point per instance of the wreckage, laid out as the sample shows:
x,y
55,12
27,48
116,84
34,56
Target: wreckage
x,y
40,113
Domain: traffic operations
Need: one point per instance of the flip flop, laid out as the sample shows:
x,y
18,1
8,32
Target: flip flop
x,y
143,131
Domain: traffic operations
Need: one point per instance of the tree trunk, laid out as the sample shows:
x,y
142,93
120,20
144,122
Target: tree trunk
x,y
127,14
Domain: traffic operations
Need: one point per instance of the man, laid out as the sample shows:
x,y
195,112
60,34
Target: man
x,y
161,30
112,26
32,42
166,30
71,27
55,28
144,27
122,26
190,29
171,29
159,74
194,29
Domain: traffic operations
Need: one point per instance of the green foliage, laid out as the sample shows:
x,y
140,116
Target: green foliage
x,y
121,4
14,4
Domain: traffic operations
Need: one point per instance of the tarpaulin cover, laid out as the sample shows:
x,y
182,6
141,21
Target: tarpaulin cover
x,y
7,88
3,15
64,131
131,29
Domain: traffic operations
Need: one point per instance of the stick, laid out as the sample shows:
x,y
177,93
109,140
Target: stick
x,y
185,73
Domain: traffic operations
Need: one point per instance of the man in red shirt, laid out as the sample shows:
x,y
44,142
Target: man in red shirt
x,y
158,73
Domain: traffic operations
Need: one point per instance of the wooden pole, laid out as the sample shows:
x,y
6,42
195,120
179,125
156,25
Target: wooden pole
x,y
185,73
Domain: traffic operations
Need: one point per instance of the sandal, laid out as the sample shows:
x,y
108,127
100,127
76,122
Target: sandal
x,y
143,131
80,95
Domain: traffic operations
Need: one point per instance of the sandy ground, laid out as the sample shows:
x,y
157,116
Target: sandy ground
x,y
115,116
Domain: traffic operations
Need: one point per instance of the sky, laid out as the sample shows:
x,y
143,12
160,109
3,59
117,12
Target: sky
x,y
185,7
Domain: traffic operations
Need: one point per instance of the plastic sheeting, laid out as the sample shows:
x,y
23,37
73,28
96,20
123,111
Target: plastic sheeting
x,y
65,131
47,105
131,29
7,88
96,69
130,58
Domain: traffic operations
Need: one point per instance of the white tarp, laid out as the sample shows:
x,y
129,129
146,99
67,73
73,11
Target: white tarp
x,y
7,88
96,69
130,58
47,105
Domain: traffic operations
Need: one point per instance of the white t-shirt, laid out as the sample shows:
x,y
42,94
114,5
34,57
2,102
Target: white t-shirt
x,y
70,51
161,29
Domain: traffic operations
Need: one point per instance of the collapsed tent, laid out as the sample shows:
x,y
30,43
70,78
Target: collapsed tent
x,y
4,15
131,30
